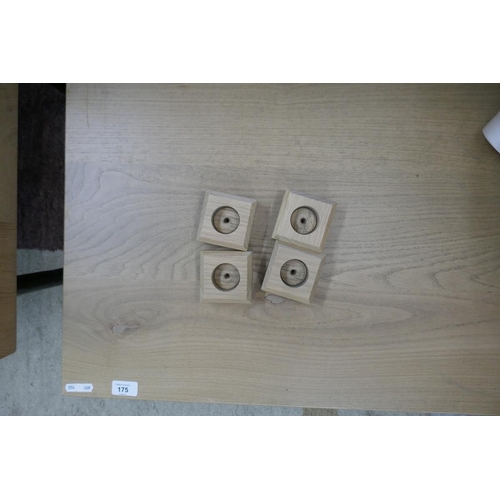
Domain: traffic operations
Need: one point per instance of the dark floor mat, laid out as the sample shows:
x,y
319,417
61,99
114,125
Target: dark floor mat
x,y
41,166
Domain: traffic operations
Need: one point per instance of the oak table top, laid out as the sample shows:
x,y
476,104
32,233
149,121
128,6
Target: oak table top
x,y
407,311
8,217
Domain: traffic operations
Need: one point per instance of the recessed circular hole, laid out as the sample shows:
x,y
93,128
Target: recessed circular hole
x,y
226,277
304,220
225,220
294,273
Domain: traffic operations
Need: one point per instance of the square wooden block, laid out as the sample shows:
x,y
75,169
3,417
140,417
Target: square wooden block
x,y
293,273
226,277
303,221
226,220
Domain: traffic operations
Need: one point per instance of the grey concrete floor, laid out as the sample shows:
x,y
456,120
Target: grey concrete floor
x,y
31,377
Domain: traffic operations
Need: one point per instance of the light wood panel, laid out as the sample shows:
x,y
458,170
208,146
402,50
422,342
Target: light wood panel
x,y
8,217
407,311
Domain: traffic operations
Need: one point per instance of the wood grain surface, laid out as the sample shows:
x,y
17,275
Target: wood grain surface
x,y
8,217
407,311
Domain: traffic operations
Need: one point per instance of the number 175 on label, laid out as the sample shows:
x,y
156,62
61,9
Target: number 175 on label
x,y
124,388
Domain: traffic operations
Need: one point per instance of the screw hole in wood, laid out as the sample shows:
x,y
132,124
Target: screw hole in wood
x,y
294,273
226,277
304,220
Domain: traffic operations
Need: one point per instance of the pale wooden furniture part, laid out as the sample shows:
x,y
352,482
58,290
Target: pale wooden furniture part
x,y
226,220
293,273
226,277
407,310
8,217
303,221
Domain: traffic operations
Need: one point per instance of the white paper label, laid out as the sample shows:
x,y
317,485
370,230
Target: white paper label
x,y
79,387
124,388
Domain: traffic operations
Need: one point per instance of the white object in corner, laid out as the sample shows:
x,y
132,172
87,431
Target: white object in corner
x,y
79,387
492,132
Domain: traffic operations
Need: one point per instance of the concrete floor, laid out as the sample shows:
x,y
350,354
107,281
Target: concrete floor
x,y
31,377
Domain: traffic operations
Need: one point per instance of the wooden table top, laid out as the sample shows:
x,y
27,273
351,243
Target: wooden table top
x,y
8,217
407,312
